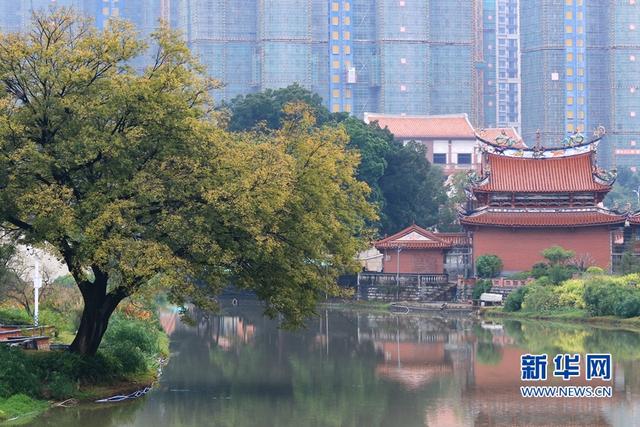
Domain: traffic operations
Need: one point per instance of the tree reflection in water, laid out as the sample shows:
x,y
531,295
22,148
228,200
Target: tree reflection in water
x,y
362,369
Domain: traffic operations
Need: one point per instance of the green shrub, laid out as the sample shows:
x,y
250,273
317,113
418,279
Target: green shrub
x,y
131,343
629,305
481,287
560,273
611,297
539,269
595,270
557,255
15,316
17,373
540,299
571,293
488,266
515,298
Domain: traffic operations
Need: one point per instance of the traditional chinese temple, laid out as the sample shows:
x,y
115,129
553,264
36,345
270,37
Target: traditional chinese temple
x,y
525,200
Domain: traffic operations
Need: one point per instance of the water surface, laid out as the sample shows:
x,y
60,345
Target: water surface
x,y
367,369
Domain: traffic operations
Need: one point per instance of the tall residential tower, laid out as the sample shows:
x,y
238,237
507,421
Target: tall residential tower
x,y
579,71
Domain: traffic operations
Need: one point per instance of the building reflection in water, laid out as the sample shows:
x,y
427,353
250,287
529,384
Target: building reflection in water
x,y
445,371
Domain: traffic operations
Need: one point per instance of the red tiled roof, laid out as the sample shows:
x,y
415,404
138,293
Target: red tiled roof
x,y
429,127
562,174
635,218
543,218
490,134
455,239
424,239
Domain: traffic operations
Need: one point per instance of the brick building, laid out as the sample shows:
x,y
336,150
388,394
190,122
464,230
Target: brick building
x,y
416,250
527,200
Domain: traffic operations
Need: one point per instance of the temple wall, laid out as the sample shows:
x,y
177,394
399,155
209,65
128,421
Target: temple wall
x,y
519,249
414,261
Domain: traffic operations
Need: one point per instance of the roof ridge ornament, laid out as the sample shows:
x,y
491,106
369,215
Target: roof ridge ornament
x,y
572,140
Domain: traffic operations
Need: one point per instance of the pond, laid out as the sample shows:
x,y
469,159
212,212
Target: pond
x,y
358,368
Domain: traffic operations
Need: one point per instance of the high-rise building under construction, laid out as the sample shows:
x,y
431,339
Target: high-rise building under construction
x,y
387,56
580,70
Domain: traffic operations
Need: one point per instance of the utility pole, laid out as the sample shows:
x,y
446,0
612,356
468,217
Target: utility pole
x,y
37,283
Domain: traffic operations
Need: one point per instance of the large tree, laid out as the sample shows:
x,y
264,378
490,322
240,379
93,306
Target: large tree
x,y
413,189
133,182
404,186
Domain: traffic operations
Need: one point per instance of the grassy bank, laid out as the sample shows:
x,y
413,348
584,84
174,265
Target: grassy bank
x,y
564,315
127,360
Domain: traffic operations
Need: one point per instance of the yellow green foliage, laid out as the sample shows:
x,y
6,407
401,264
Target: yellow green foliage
x,y
570,293
130,177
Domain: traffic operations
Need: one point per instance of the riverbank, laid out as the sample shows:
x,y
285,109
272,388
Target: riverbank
x,y
572,315
400,306
129,359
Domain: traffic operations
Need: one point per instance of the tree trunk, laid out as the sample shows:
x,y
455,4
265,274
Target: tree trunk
x,y
98,307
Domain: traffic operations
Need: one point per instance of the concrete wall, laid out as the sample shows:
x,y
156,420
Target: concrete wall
x,y
519,249
414,261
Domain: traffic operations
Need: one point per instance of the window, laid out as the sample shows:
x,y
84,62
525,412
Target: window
x,y
568,42
335,20
336,108
403,60
570,127
335,35
581,71
568,29
335,93
569,57
347,20
569,71
335,50
347,108
347,6
346,35
335,6
347,93
403,88
570,114
580,100
335,64
347,50
581,114
439,159
568,15
580,30
579,16
568,2
580,42
464,158
569,100
569,86
403,29
335,79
